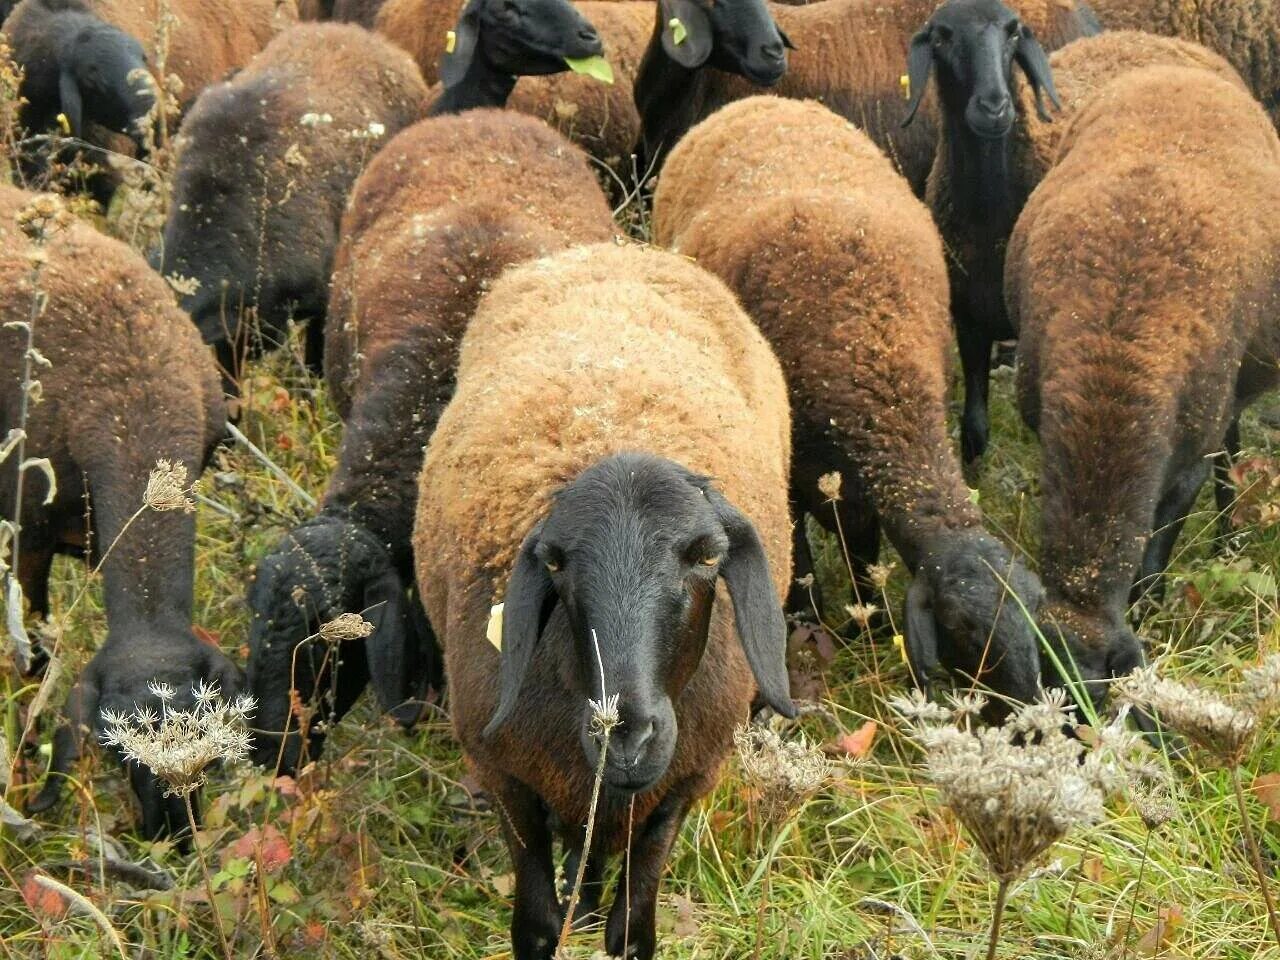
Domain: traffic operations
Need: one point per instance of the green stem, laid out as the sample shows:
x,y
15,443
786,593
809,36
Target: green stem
x,y
1133,905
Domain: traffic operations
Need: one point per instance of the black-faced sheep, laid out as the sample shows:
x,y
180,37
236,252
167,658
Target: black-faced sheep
x,y
617,445
1144,279
440,212
991,154
842,269
265,164
127,384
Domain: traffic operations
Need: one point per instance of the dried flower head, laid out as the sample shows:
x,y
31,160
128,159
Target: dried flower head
x,y
1154,805
345,626
179,744
785,772
45,214
829,485
878,574
167,488
1224,730
861,613
1260,686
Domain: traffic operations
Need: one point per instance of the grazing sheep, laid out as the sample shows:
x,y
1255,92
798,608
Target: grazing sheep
x,y
127,384
847,54
842,269
265,164
986,163
618,442
439,213
1144,279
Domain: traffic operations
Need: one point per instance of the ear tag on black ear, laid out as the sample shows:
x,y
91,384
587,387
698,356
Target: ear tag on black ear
x,y
493,633
678,32
900,644
450,41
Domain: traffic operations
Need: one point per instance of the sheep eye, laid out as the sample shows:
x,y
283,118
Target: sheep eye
x,y
710,561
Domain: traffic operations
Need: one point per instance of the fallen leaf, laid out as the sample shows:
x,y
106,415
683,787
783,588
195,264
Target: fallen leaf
x,y
1267,787
1163,932
858,743
44,903
267,844
206,636
686,924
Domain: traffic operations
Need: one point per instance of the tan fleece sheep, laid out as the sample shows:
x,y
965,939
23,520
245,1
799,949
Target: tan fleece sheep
x,y
1144,279
608,372
842,269
419,27
127,384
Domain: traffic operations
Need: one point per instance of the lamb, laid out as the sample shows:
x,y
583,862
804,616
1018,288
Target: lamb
x,y
429,226
571,476
128,384
990,155
1144,279
847,54
841,267
265,164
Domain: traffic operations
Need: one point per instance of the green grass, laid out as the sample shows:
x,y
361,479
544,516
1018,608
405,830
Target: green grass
x,y
390,860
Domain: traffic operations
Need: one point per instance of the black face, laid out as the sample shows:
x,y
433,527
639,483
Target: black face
x,y
111,72
531,37
747,41
632,549
1091,651
974,45
971,608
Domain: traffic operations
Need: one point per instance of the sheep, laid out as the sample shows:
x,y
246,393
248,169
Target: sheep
x,y
986,162
599,392
361,12
847,54
842,269
419,27
1144,279
435,217
265,163
127,384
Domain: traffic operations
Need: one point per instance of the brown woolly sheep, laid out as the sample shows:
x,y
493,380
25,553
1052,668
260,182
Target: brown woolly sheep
x,y
991,155
571,477
127,384
420,28
362,12
265,164
438,214
1144,279
842,269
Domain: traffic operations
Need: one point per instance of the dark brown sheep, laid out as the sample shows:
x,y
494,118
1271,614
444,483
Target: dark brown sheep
x,y
842,269
265,164
127,384
598,391
438,214
1144,279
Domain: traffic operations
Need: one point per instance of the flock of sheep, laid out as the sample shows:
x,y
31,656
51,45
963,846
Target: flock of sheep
x,y
617,434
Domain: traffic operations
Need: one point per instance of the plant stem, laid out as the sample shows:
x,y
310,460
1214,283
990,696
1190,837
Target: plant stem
x,y
1075,887
567,928
766,887
1133,906
1255,853
993,940
208,881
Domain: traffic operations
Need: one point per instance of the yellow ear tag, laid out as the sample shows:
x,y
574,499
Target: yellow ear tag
x,y
904,81
450,41
900,644
493,633
64,124
678,31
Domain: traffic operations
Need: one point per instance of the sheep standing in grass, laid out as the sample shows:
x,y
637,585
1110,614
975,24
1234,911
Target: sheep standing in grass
x,y
265,164
616,448
1144,279
127,384
438,214
842,269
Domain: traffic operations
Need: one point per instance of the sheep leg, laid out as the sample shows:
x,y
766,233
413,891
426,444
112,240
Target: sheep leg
x,y
861,530
1224,491
535,919
592,883
975,361
631,918
802,601
1171,514
33,574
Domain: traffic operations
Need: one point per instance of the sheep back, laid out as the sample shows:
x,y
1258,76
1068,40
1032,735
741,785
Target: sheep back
x,y
418,27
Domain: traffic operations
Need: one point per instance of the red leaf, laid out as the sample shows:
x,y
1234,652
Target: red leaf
x,y
858,743
1267,787
206,636
268,844
46,904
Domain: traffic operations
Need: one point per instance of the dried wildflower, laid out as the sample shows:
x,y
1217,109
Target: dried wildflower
x,y
45,214
786,772
968,706
1154,805
878,574
1260,685
805,582
917,709
1223,730
829,485
345,626
179,744
861,613
167,488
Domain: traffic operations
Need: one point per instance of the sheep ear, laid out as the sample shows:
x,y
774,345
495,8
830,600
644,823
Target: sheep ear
x,y
81,711
786,41
762,628
526,609
71,103
384,650
919,63
1035,64
922,632
455,63
690,44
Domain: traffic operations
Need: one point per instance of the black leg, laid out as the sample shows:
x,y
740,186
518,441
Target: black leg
x,y
314,350
861,530
535,919
1171,514
975,360
631,918
1224,492
592,884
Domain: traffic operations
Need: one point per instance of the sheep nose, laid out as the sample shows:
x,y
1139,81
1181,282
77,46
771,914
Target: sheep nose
x,y
630,742
588,35
994,105
773,51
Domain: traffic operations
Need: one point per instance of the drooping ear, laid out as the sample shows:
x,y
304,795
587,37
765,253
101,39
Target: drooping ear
x,y
385,649
919,63
786,41
1035,64
81,711
762,627
526,609
922,632
70,101
689,42
455,63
